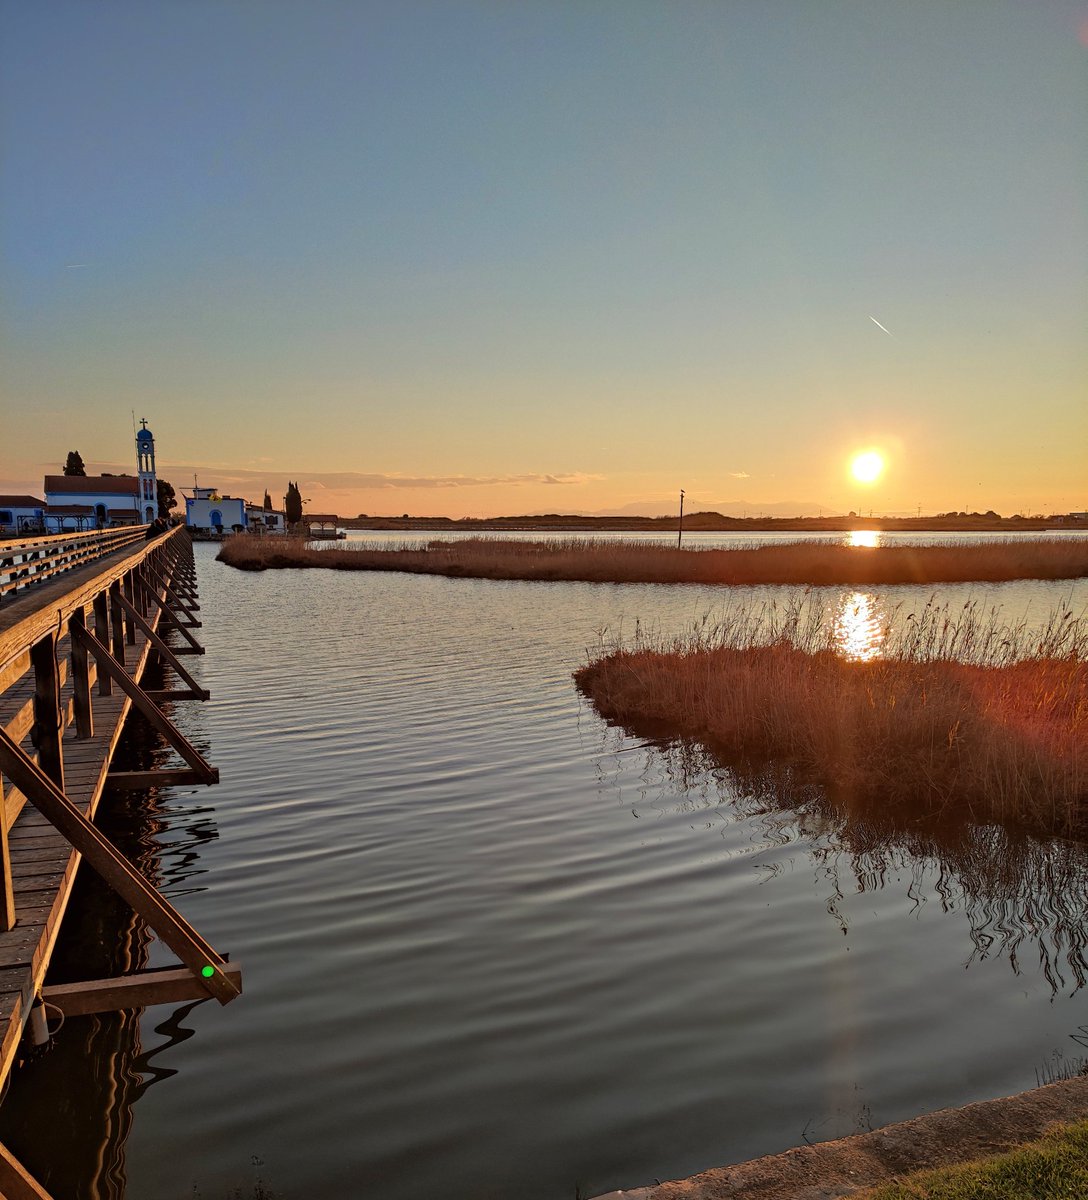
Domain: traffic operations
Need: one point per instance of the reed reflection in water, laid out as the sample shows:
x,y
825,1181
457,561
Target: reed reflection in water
x,y
1021,895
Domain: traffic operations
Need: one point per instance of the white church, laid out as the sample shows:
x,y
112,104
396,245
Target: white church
x,y
78,502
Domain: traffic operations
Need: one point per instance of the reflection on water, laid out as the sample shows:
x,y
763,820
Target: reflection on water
x,y
1023,897
864,537
859,627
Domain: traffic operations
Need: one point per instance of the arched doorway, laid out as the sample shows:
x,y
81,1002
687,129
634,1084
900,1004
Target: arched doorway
x,y
216,519
100,515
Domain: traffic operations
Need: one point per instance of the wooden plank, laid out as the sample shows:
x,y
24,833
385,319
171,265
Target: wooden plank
x,y
13,671
132,991
16,1182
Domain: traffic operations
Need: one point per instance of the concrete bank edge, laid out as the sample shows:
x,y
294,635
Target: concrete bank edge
x,y
839,1168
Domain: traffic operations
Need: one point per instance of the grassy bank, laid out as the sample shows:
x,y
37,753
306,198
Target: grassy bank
x,y
1053,1168
605,561
960,716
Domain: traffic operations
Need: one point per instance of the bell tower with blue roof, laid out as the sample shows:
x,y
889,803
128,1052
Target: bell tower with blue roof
x,y
145,466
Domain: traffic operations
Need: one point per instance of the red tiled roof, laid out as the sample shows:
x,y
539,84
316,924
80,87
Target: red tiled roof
x,y
127,485
20,502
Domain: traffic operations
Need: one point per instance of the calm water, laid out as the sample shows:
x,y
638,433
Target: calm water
x,y
494,948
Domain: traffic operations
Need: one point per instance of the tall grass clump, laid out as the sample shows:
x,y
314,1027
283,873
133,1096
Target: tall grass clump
x,y
959,715
600,560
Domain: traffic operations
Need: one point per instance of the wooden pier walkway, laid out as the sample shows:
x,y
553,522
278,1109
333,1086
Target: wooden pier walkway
x,y
81,618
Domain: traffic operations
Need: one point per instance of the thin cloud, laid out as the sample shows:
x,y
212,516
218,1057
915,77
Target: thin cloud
x,y
375,481
740,475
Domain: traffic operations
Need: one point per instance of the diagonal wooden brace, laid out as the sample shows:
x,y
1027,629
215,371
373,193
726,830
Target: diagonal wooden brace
x,y
172,595
154,714
197,648
164,650
128,883
16,1182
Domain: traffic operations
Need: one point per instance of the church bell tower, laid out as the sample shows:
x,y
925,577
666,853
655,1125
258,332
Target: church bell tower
x,y
148,500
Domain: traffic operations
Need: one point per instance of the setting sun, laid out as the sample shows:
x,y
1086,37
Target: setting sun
x,y
867,467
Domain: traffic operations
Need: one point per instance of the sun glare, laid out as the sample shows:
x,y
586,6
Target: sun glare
x,y
867,467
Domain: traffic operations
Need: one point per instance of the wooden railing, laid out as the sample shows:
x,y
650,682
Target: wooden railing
x,y
26,561
51,660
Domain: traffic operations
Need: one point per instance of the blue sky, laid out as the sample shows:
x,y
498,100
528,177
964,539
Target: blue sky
x,y
513,257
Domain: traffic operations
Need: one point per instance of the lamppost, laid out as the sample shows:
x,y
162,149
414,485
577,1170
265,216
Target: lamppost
x,y
680,529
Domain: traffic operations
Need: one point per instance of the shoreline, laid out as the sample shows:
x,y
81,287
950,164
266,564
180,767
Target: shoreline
x,y
717,523
853,1164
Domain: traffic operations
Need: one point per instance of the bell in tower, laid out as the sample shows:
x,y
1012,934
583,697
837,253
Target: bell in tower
x,y
145,469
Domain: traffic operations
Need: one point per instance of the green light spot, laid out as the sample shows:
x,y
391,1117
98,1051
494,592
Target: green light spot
x,y
207,972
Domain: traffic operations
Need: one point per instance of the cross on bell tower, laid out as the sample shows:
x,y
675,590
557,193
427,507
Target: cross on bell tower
x,y
147,500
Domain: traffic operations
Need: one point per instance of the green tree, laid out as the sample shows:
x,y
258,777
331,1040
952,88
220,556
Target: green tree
x,y
292,504
267,502
167,498
73,464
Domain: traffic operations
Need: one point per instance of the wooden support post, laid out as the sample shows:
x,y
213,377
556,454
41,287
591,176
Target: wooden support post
x,y
16,1183
81,678
164,650
102,632
130,590
128,883
117,626
7,895
106,662
46,733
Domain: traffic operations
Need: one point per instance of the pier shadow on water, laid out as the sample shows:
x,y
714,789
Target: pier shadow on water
x,y
69,1108
1024,897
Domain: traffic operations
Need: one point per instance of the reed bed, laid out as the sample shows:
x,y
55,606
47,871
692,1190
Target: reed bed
x,y
960,716
598,560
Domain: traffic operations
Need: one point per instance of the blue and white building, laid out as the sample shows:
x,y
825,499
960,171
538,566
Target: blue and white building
x,y
209,513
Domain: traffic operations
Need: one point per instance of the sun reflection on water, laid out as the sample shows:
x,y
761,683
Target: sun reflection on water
x,y
859,627
864,537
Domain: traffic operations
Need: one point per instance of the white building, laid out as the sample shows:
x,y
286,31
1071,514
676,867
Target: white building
x,y
260,520
207,512
21,515
78,502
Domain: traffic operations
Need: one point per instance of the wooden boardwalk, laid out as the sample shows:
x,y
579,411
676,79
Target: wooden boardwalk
x,y
77,633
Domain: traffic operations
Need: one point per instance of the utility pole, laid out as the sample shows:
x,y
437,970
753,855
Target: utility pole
x,y
680,531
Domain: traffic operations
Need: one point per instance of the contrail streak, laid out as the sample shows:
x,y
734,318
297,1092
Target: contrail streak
x,y
879,326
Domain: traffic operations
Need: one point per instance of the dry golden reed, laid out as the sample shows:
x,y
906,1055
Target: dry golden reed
x,y
960,715
598,560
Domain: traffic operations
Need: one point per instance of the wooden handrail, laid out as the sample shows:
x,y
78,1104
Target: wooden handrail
x,y
19,632
25,562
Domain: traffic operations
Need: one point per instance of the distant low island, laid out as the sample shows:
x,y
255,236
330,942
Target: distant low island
x,y
715,522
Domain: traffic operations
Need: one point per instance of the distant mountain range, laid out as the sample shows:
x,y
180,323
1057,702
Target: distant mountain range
x,y
727,508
